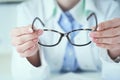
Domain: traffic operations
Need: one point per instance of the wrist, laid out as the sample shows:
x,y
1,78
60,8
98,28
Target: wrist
x,y
35,59
114,53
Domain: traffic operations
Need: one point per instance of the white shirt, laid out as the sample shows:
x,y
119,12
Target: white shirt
x,y
89,57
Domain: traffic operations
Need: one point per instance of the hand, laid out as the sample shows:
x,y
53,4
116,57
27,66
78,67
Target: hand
x,y
108,36
25,40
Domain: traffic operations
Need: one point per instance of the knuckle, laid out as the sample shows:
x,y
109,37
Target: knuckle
x,y
114,31
112,41
19,50
102,25
100,34
100,40
20,41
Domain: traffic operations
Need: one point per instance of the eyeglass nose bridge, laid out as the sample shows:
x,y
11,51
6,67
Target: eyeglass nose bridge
x,y
64,34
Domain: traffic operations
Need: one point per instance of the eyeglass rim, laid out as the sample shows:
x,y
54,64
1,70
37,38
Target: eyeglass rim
x,y
92,14
67,35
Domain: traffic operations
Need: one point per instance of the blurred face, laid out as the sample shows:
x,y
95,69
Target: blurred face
x,y
67,4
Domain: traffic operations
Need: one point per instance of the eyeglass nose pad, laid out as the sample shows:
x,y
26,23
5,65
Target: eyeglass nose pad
x,y
65,35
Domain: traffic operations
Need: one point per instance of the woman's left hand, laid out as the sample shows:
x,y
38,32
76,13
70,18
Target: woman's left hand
x,y
108,36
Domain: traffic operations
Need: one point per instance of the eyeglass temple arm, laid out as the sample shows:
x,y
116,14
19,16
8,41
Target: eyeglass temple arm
x,y
93,14
37,18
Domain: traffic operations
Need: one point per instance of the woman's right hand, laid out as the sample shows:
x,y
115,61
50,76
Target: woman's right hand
x,y
25,40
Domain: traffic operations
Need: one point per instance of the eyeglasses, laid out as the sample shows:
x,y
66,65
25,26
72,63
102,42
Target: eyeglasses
x,y
81,35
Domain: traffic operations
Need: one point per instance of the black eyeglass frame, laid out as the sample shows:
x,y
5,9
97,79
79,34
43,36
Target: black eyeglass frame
x,y
66,34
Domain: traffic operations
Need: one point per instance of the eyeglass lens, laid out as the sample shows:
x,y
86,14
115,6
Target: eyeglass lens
x,y
52,38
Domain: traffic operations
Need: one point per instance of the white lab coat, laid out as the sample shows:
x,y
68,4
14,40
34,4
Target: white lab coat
x,y
90,58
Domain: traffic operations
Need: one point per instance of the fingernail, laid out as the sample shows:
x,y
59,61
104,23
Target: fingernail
x,y
30,30
35,40
40,32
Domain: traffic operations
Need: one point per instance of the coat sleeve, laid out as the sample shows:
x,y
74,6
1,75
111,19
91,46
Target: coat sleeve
x,y
21,68
110,69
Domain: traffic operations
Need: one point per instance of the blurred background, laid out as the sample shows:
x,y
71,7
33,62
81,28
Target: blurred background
x,y
8,19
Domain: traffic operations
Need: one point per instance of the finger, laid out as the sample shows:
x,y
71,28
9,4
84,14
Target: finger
x,y
17,42
93,28
24,38
112,40
25,46
109,24
29,52
109,46
21,30
112,32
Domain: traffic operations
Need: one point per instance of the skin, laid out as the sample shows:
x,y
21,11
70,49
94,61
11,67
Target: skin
x,y
67,4
108,36
25,40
